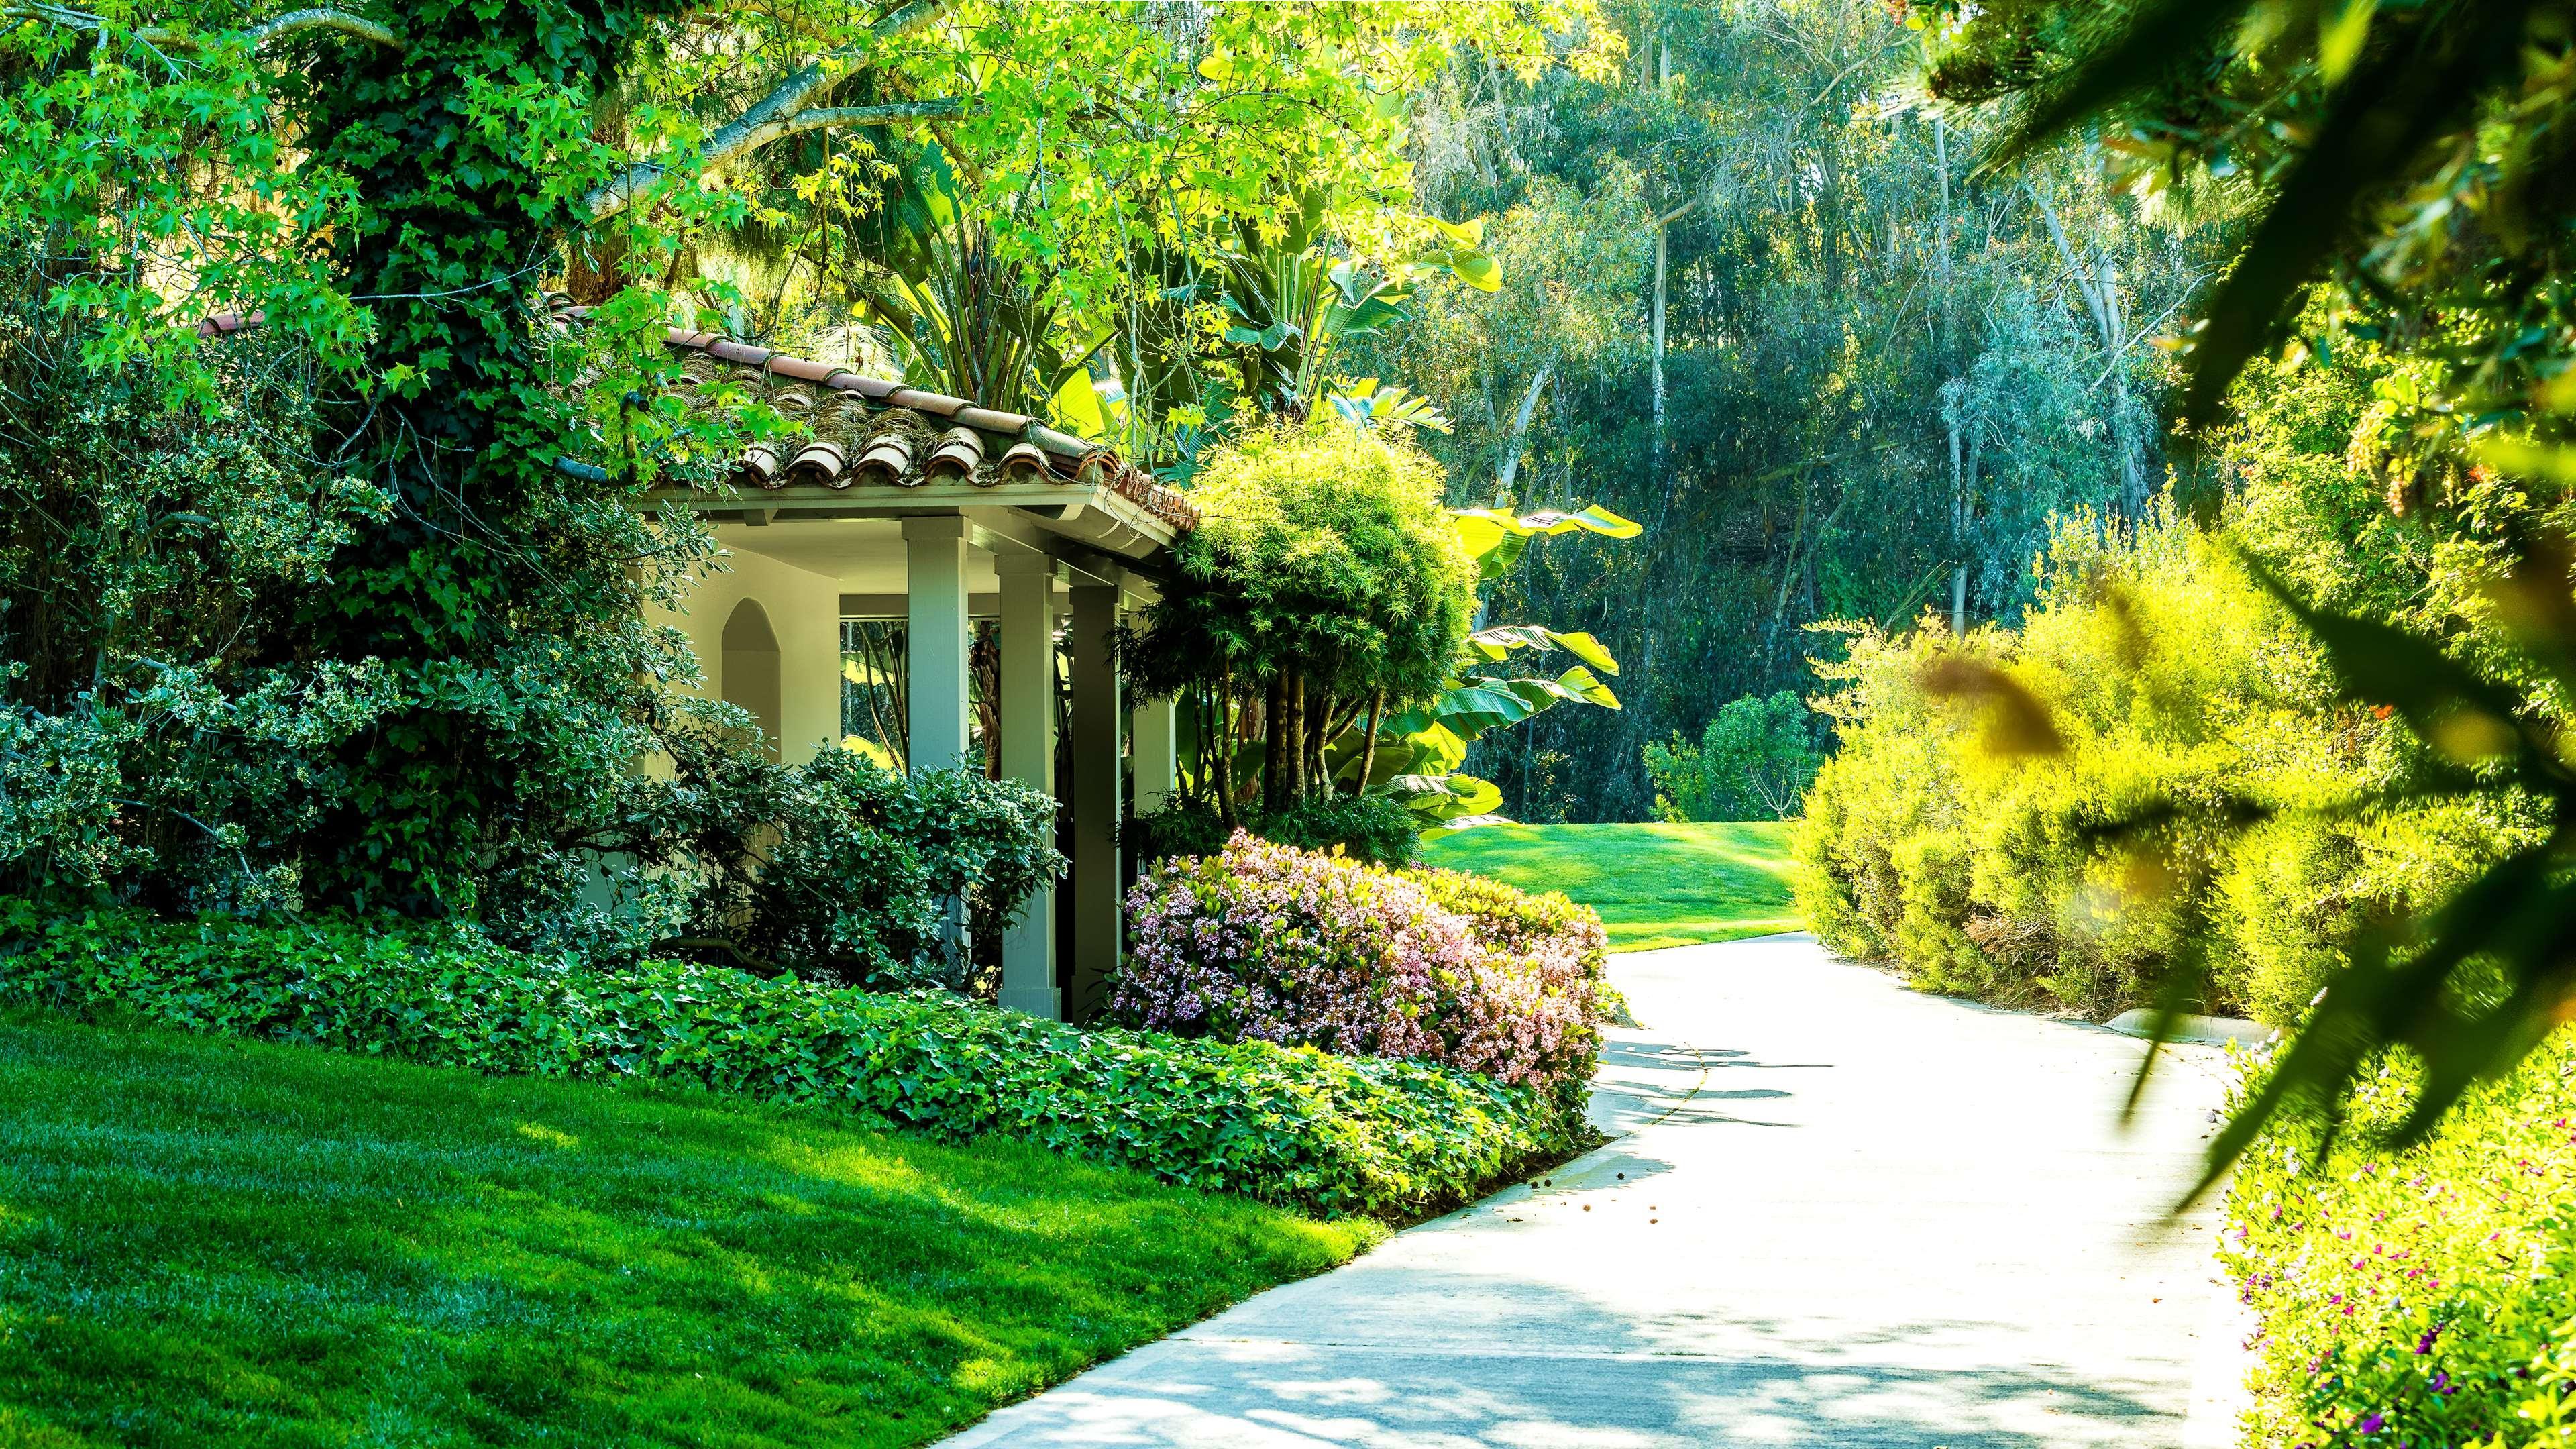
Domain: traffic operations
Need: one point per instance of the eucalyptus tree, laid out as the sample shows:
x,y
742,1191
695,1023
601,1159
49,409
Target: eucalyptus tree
x,y
1842,373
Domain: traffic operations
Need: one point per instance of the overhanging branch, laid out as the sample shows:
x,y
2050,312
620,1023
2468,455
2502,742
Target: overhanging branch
x,y
340,20
782,107
260,36
739,138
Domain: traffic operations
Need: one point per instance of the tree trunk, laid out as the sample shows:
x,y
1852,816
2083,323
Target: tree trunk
x,y
1503,495
1368,743
1222,766
1941,163
1319,736
1275,751
2101,299
1293,736
1661,234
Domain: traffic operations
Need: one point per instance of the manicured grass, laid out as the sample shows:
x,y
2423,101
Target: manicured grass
x,y
216,1242
1654,885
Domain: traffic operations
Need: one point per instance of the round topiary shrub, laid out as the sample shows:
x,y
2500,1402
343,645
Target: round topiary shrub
x,y
1270,943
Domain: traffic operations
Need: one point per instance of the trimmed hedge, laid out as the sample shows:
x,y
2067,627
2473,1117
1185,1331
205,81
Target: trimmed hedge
x,y
2425,1297
1291,1126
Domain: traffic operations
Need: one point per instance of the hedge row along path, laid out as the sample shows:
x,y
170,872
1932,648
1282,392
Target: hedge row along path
x,y
1841,1214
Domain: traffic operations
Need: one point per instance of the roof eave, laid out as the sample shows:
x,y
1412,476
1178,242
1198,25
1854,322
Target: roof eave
x,y
1096,516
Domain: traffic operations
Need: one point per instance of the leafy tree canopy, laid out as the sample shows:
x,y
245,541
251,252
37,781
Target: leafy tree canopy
x,y
462,677
1323,551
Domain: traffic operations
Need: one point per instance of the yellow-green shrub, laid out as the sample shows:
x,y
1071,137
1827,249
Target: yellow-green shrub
x,y
2170,678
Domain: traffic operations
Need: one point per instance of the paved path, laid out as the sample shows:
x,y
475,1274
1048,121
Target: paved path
x,y
1841,1214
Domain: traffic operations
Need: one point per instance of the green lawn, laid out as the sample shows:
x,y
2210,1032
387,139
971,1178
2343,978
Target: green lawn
x,y
213,1242
1654,885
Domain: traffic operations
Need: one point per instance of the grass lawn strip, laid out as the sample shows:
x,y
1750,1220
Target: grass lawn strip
x,y
220,1242
1654,885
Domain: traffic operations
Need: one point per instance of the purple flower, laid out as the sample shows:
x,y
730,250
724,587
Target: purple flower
x,y
2371,1424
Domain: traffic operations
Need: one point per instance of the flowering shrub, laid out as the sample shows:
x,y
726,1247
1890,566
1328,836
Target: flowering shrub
x,y
1290,1126
1264,942
2425,1297
1514,919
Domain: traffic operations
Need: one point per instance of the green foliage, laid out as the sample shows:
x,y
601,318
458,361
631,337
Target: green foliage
x,y
1416,755
1180,828
1322,553
1323,584
413,673
2424,1296
841,868
356,640
2413,159
1364,827
2418,146
2104,868
149,739
1754,761
1288,1127
234,1244
1878,368
1653,885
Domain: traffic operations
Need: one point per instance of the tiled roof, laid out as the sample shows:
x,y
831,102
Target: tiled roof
x,y
860,431
856,431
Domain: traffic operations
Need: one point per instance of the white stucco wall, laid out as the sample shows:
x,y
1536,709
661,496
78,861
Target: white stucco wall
x,y
804,611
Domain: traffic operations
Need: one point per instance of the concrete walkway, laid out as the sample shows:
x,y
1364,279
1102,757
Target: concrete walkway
x,y
1840,1214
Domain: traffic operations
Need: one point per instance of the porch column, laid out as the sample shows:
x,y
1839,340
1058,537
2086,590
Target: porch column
x,y
1095,795
1028,756
1155,749
934,550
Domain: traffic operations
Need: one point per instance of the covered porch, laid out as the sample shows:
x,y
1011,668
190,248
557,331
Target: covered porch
x,y
922,522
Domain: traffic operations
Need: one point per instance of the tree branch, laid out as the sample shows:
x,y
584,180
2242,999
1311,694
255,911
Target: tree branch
x,y
294,22
620,191
779,113
342,21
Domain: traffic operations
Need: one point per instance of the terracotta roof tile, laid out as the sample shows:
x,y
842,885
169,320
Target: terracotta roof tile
x,y
867,431
852,430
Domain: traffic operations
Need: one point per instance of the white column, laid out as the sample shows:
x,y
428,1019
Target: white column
x,y
1027,709
1095,761
1154,747
935,640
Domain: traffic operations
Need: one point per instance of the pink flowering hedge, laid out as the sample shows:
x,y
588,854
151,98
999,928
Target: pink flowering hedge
x,y
1265,942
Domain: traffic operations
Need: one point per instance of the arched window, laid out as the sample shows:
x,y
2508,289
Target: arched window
x,y
750,670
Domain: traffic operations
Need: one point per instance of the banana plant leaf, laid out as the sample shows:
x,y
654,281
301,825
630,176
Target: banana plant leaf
x,y
1498,642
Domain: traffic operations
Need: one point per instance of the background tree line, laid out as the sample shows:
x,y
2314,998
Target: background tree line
x,y
1755,297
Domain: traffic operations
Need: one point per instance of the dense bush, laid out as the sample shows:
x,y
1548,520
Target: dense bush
x,y
1513,919
1753,761
2169,677
1325,585
1265,942
841,868
1366,827
2425,1297
1284,1125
